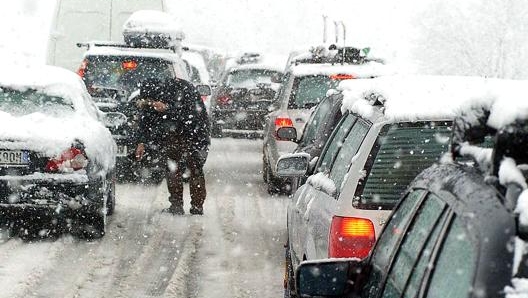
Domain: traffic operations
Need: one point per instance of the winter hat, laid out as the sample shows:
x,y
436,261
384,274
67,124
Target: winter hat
x,y
151,88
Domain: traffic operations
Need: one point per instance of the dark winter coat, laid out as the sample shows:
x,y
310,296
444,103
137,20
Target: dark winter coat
x,y
185,119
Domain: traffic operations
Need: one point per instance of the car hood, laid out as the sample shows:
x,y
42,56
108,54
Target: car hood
x,y
51,135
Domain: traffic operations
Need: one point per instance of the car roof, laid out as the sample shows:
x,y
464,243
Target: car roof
x,y
410,97
365,70
490,225
257,66
165,54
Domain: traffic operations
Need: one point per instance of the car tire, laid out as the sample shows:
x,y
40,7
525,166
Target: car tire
x,y
265,168
90,225
289,280
273,185
110,198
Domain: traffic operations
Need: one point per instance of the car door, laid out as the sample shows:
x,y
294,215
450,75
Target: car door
x,y
324,202
300,203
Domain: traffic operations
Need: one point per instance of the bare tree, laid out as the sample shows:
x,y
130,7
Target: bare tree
x,y
477,37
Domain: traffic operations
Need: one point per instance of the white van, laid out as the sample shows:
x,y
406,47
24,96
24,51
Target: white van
x,y
79,20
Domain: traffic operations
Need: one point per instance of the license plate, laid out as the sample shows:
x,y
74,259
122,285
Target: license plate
x,y
9,157
122,150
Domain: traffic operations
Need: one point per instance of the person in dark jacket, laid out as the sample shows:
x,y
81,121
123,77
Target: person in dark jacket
x,y
173,118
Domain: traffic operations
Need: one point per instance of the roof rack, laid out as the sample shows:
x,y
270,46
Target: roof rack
x,y
90,44
334,54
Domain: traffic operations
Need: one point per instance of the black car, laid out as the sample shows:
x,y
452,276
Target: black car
x,y
455,233
243,97
113,74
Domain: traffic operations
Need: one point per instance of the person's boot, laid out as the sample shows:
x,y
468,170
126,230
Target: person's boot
x,y
196,210
176,210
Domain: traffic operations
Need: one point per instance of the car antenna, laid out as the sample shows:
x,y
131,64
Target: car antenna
x,y
336,30
344,41
324,28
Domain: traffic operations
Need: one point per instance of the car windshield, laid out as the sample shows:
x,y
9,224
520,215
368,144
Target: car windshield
x,y
308,91
249,78
26,102
402,151
123,72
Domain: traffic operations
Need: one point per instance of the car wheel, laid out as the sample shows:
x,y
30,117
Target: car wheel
x,y
265,168
90,225
289,279
273,185
110,199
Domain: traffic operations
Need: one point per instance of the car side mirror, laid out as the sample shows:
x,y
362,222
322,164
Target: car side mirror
x,y
329,277
293,165
114,119
286,133
276,78
204,90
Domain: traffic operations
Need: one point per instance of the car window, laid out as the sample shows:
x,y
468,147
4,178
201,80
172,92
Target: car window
x,y
401,152
308,91
318,118
388,241
423,231
25,102
124,73
453,271
249,78
348,151
335,142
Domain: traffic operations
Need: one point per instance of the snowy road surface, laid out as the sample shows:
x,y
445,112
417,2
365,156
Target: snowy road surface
x,y
234,250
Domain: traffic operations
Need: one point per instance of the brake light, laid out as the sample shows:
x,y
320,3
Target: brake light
x,y
283,121
223,99
129,65
70,160
339,77
82,69
351,237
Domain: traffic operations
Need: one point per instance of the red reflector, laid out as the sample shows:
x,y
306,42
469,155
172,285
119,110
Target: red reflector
x,y
351,237
82,69
129,65
71,159
338,77
223,99
281,122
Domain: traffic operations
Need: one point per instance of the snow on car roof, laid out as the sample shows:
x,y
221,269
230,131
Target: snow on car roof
x,y
267,61
153,21
49,79
409,97
137,52
367,70
197,61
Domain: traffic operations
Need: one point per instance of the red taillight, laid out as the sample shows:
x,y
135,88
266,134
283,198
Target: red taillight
x,y
82,69
223,99
129,65
282,121
351,237
339,77
72,159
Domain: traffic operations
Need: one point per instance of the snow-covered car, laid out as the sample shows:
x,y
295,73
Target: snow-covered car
x,y
57,157
121,67
244,96
393,127
303,87
198,73
460,229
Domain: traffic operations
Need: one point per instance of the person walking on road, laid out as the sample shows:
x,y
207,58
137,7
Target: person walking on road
x,y
173,119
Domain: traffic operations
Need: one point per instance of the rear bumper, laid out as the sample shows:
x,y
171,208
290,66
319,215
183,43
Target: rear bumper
x,y
52,193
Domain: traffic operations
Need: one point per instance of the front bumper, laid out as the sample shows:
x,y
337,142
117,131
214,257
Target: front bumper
x,y
50,193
